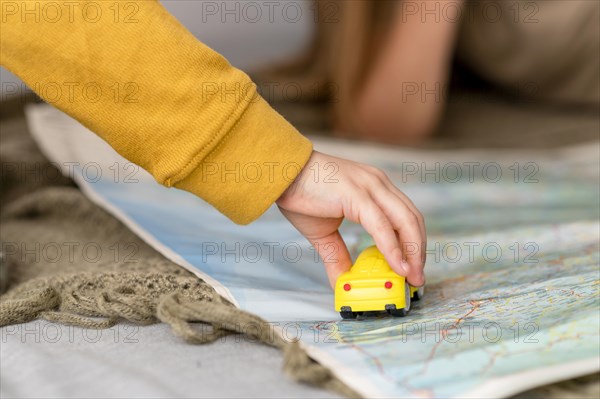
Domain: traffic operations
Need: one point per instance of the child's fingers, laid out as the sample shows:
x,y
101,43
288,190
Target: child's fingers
x,y
378,225
335,255
416,211
407,224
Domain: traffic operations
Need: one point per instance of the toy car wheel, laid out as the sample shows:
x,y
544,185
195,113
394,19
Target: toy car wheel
x,y
407,298
391,309
348,315
397,312
418,295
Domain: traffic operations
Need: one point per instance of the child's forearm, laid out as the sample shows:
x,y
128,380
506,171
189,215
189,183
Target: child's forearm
x,y
134,75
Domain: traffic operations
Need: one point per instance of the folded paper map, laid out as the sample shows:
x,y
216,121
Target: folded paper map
x,y
512,297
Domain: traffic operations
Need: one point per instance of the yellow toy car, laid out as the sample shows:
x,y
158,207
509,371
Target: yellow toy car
x,y
372,285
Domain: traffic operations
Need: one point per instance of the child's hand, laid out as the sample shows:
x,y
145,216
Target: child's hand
x,y
330,189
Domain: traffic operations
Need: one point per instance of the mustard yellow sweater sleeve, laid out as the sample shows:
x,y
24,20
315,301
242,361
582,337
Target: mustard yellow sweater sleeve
x,y
130,72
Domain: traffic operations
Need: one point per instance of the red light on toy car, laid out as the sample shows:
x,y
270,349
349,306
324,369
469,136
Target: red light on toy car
x,y
347,287
388,284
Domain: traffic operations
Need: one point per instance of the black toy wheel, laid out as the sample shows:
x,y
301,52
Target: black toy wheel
x,y
398,312
348,315
418,295
391,309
